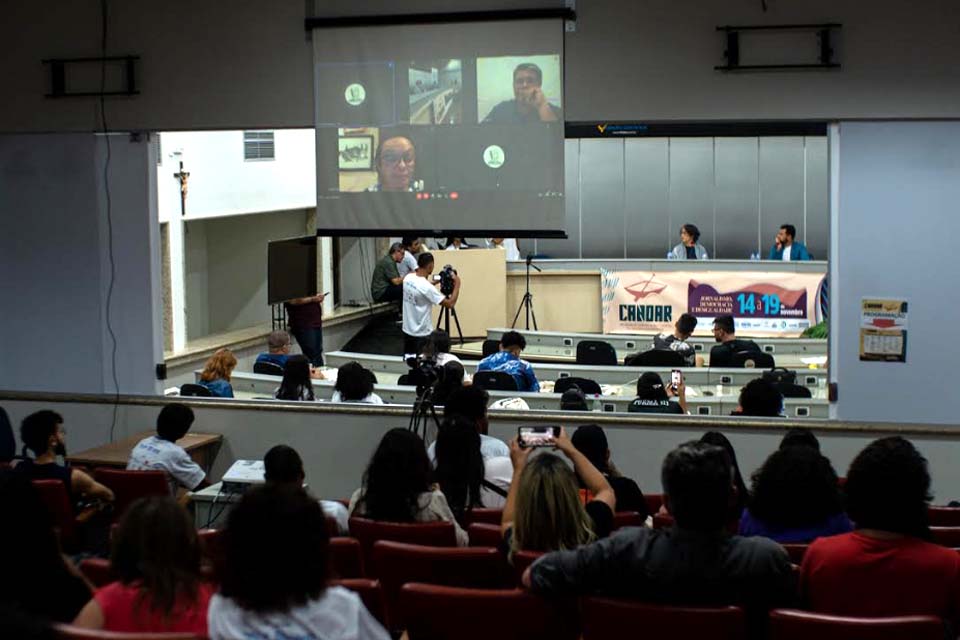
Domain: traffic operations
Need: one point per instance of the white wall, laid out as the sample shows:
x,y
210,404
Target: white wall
x,y
204,66
222,183
898,189
55,264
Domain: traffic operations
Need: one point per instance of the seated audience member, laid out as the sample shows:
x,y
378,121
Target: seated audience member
x,y
760,398
386,285
795,498
162,453
693,563
591,441
786,248
725,333
39,581
354,384
508,245
451,379
544,510
296,384
278,346
398,487
573,400
411,247
677,341
437,346
216,373
156,558
471,403
655,397
42,432
508,360
886,567
689,247
282,465
466,479
275,575
800,437
717,439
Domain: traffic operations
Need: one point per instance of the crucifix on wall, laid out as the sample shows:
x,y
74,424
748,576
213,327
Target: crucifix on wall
x,y
182,177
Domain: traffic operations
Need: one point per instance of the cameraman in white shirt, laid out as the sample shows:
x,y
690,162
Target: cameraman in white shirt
x,y
420,293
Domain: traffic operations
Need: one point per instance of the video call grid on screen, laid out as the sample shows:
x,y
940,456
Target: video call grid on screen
x,y
441,105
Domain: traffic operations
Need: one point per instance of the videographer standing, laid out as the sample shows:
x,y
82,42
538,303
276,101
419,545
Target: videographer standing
x,y
419,296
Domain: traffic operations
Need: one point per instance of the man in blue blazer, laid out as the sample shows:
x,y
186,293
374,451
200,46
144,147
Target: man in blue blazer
x,y
786,248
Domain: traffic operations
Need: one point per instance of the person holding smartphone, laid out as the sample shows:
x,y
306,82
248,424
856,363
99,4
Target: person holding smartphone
x,y
545,509
654,397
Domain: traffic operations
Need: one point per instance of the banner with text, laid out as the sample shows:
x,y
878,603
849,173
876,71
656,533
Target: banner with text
x,y
763,303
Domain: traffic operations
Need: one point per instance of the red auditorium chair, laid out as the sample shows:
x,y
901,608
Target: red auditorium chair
x,y
484,535
129,486
523,559
627,519
434,612
943,516
345,558
484,516
789,624
212,553
98,571
69,632
654,502
369,591
430,534
399,563
609,619
946,536
796,552
57,501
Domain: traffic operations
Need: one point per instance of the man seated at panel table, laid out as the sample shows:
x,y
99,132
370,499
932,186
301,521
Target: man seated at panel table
x,y
696,562
278,349
786,248
508,360
725,333
162,453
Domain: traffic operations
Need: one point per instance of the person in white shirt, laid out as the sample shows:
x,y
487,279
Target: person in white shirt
x,y
398,485
419,297
471,402
411,247
466,479
274,582
282,465
355,384
162,453
507,244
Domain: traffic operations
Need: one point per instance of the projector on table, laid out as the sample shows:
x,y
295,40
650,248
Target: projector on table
x,y
241,475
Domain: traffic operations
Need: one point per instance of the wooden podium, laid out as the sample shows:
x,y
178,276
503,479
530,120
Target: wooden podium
x,y
483,291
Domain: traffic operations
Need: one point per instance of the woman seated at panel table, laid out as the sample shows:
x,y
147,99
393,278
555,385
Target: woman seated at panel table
x,y
216,373
296,384
689,248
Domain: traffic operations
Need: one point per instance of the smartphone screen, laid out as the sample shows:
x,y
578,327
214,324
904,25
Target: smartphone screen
x,y
676,377
537,436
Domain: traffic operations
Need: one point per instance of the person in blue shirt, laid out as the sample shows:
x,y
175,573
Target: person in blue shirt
x,y
216,373
278,343
508,360
786,248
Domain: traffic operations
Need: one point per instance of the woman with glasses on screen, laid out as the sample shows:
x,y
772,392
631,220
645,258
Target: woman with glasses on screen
x,y
396,163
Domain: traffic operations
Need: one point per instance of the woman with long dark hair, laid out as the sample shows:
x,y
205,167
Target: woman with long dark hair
x,y
296,384
355,384
460,469
795,498
156,557
398,485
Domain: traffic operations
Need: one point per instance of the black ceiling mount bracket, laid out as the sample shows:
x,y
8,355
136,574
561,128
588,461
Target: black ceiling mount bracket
x,y
58,76
563,13
824,33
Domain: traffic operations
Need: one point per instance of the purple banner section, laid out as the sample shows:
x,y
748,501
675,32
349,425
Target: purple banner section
x,y
761,300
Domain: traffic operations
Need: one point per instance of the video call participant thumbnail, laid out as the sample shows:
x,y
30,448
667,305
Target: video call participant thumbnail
x,y
529,103
396,165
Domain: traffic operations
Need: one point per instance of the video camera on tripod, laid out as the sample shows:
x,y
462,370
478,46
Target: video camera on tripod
x,y
445,276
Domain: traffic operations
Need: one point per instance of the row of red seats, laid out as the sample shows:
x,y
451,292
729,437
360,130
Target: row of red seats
x,y
436,612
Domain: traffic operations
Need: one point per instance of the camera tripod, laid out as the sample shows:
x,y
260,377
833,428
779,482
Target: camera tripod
x,y
423,410
444,318
527,302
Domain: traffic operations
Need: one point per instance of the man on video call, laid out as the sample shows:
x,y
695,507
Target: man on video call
x,y
528,104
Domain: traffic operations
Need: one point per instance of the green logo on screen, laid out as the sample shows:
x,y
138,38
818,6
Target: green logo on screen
x,y
494,157
355,94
